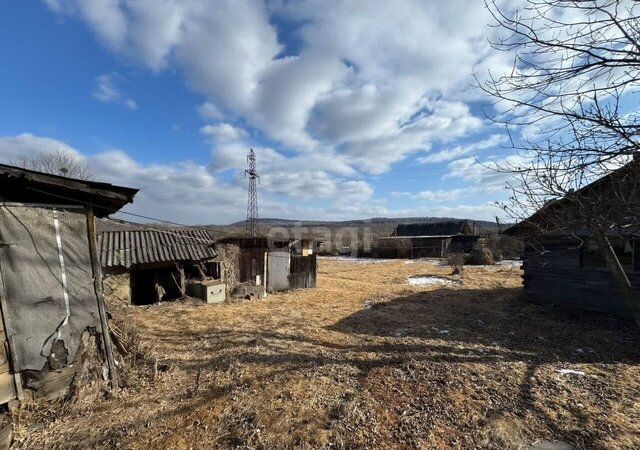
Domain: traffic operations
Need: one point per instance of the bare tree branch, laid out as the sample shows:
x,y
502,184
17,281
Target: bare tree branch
x,y
59,162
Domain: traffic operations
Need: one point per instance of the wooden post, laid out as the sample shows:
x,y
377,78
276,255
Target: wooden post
x,y
613,263
12,356
266,268
97,285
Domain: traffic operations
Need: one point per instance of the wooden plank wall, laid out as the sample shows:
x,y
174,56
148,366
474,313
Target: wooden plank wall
x,y
303,271
553,274
251,263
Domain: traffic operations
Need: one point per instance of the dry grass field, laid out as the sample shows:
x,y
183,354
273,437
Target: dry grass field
x,y
366,361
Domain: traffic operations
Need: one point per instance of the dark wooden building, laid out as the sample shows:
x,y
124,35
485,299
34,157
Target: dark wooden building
x,y
419,240
562,261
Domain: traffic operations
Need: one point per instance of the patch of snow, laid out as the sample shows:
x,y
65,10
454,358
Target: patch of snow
x,y
434,261
428,281
354,259
569,372
509,263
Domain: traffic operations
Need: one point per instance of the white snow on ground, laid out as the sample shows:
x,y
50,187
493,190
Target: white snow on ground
x,y
434,261
428,281
354,259
569,372
509,263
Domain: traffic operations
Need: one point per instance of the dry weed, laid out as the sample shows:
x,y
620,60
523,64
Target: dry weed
x,y
367,361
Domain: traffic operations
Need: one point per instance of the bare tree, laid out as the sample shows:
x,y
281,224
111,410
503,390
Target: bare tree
x,y
59,162
569,103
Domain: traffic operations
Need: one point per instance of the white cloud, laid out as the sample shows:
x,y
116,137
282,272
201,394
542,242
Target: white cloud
x,y
209,111
185,191
131,104
107,91
372,81
489,175
354,88
440,196
190,193
223,132
13,148
461,150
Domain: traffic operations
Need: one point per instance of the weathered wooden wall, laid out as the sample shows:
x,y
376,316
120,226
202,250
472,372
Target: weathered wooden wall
x,y
251,264
303,272
554,274
278,270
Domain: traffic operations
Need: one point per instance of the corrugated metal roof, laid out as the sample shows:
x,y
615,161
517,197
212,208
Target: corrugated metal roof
x,y
126,248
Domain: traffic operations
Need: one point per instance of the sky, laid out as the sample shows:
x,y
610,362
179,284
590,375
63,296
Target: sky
x,y
355,109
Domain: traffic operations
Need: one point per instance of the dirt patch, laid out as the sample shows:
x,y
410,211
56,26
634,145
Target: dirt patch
x,y
367,361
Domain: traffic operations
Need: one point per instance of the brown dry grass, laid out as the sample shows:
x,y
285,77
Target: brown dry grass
x,y
366,361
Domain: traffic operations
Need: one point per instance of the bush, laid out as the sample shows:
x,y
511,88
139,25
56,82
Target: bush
x,y
456,261
480,257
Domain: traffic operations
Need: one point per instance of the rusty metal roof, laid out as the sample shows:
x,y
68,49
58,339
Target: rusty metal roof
x,y
127,248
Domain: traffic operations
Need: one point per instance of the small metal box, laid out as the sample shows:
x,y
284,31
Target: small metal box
x,y
211,291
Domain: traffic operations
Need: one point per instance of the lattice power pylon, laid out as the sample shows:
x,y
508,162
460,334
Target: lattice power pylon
x,y
252,201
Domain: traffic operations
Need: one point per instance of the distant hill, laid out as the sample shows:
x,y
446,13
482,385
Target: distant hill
x,y
374,221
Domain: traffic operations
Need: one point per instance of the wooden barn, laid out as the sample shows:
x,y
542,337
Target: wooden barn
x,y
54,318
419,240
562,261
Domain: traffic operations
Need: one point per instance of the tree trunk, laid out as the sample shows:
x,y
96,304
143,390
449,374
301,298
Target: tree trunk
x,y
613,263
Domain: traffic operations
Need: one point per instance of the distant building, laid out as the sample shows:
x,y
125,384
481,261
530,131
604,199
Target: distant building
x,y
419,240
51,300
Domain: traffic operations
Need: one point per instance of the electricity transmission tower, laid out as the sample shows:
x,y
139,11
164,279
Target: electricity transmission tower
x,y
251,229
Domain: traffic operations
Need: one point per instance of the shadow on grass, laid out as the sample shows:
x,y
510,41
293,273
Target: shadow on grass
x,y
451,326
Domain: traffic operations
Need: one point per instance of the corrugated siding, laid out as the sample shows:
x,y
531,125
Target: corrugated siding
x,y
126,248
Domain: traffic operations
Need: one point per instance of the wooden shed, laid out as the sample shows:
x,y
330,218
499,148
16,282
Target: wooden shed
x,y
562,262
143,265
51,299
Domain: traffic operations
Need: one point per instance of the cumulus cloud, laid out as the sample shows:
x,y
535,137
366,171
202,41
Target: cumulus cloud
x,y
107,91
26,145
209,111
372,86
338,92
488,175
440,195
461,150
223,132
191,193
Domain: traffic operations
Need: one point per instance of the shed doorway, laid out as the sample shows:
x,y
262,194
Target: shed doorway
x,y
150,286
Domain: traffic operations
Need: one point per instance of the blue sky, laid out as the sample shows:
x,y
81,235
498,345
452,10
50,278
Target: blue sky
x,y
356,110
